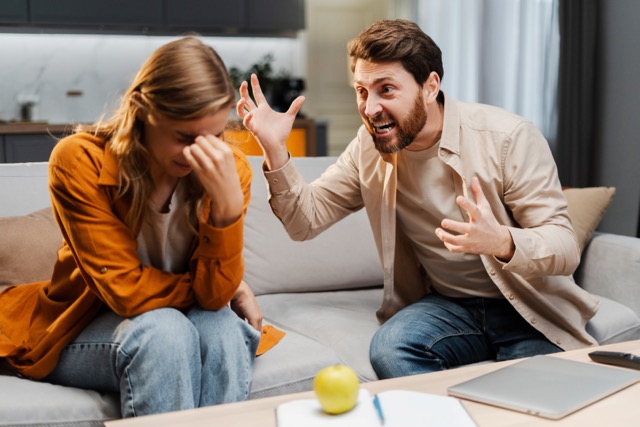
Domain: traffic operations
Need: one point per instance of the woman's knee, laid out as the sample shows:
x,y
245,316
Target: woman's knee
x,y
222,328
164,333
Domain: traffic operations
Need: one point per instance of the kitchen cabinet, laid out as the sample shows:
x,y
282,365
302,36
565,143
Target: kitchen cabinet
x,y
14,12
274,14
33,141
205,14
241,16
137,13
28,148
156,17
29,141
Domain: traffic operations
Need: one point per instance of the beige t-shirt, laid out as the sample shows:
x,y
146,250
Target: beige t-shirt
x,y
425,197
165,238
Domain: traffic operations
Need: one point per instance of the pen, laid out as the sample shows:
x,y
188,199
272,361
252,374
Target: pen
x,y
376,403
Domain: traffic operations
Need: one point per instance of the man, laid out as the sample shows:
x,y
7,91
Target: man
x,y
465,204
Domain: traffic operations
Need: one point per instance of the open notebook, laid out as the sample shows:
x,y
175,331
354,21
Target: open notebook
x,y
400,408
546,386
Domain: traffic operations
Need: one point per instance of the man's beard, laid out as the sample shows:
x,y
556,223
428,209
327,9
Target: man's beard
x,y
406,131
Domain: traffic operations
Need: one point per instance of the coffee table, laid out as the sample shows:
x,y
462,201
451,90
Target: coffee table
x,y
620,409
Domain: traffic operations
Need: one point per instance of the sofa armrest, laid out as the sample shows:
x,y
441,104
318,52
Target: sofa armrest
x,y
610,268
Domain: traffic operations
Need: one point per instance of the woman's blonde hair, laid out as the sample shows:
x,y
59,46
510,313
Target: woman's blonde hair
x,y
182,80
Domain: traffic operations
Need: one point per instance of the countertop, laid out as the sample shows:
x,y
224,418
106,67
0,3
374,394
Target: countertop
x,y
45,127
34,128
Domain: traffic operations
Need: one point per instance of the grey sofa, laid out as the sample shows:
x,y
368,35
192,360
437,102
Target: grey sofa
x,y
322,293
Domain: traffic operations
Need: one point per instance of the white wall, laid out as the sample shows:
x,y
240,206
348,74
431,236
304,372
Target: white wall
x,y
330,26
102,66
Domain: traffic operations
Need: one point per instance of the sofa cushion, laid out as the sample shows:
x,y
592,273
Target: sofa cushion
x,y
29,246
610,267
586,207
342,320
614,322
35,403
31,180
290,366
275,263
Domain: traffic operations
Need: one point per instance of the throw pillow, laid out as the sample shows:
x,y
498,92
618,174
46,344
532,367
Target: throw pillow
x,y
586,207
29,247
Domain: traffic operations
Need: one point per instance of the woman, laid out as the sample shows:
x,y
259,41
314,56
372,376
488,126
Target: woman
x,y
150,203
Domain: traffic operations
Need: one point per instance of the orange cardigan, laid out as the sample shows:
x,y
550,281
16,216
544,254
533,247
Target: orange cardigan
x,y
98,263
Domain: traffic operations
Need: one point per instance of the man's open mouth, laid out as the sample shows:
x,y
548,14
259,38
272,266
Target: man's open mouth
x,y
383,128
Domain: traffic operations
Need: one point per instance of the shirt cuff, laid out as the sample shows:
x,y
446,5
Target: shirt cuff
x,y
519,258
283,179
221,242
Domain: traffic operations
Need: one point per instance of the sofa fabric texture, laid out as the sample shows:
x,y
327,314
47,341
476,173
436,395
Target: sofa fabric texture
x,y
323,293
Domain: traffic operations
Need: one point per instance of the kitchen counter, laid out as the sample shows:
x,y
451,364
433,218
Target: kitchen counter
x,y
33,141
34,127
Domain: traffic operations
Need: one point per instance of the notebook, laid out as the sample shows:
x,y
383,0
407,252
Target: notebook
x,y
396,408
546,386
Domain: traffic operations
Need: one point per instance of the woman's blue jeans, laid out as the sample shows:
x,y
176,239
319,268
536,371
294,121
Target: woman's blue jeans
x,y
437,333
163,360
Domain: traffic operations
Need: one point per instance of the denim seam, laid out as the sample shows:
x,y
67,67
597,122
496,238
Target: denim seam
x,y
129,385
439,338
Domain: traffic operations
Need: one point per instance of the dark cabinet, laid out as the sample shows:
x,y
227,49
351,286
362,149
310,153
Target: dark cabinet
x,y
274,14
156,17
201,14
14,12
83,12
28,147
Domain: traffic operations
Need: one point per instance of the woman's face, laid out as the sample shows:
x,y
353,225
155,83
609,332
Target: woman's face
x,y
165,139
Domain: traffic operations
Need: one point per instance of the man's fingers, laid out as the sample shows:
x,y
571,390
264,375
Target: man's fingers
x,y
476,190
257,90
296,105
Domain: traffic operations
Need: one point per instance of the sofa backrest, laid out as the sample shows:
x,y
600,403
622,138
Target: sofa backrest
x,y
23,188
342,257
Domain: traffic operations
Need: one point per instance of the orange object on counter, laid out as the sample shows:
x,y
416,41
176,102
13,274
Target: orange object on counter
x,y
296,143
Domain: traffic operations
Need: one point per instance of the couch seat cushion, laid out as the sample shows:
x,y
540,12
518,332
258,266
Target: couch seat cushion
x,y
614,322
34,403
290,366
343,320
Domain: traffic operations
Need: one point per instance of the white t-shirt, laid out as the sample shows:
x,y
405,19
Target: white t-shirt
x,y
165,238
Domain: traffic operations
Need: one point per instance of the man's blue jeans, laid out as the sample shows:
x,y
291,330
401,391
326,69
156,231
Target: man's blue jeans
x,y
437,333
163,360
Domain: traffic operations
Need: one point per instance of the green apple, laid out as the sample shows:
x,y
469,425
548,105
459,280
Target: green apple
x,y
336,388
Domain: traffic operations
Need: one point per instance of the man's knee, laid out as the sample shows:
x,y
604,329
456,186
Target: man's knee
x,y
393,354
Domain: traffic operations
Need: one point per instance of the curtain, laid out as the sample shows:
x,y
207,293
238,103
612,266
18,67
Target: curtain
x,y
576,92
499,52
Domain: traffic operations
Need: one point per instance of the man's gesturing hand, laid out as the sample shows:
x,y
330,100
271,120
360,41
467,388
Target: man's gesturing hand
x,y
269,127
482,234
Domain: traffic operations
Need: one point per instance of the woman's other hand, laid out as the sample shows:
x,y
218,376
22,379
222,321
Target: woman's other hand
x,y
245,305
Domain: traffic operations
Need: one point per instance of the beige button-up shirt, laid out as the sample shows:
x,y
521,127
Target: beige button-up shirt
x,y
519,178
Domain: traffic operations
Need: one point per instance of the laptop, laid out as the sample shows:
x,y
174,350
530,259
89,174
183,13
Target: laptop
x,y
547,386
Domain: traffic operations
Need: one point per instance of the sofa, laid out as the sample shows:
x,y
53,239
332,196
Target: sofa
x,y
323,293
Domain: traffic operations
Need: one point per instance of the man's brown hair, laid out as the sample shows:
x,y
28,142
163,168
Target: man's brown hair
x,y
399,40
